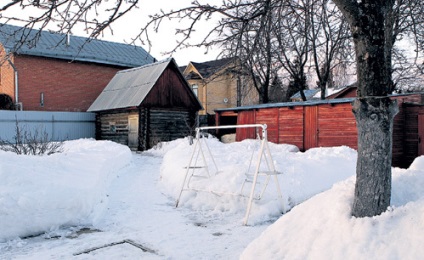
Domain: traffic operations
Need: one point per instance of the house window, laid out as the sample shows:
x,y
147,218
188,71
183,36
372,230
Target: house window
x,y
112,127
42,99
195,89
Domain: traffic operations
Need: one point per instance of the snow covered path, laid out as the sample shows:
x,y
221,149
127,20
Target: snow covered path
x,y
140,217
97,200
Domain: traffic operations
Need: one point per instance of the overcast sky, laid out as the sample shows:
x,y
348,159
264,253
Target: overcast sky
x,y
165,39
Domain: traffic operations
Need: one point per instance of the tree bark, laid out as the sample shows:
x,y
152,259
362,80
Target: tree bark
x,y
374,117
373,109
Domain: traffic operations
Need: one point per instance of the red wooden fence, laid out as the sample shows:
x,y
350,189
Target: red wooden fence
x,y
331,123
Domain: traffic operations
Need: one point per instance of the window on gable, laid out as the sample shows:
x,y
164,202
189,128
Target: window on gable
x,y
195,89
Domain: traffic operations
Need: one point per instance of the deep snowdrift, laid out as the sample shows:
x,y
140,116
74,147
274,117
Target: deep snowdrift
x,y
46,193
322,228
40,193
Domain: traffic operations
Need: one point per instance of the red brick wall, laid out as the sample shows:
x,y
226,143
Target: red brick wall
x,y
67,86
7,82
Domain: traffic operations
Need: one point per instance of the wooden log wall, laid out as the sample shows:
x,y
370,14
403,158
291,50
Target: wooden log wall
x,y
166,125
113,126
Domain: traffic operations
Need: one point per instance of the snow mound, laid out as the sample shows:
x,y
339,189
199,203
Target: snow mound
x,y
303,175
322,228
42,193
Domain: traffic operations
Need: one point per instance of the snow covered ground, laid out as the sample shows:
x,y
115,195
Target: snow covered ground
x,y
98,200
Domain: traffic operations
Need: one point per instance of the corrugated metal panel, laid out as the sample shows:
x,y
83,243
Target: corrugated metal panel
x,y
128,88
53,45
58,125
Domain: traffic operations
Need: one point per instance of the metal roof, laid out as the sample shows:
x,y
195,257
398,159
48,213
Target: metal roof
x,y
291,104
128,88
312,102
55,45
309,93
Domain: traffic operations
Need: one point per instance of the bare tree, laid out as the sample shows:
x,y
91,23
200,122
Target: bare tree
x,y
375,26
292,37
330,41
291,29
252,41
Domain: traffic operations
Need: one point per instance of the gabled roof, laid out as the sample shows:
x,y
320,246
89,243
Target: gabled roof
x,y
309,93
129,88
342,92
207,69
55,45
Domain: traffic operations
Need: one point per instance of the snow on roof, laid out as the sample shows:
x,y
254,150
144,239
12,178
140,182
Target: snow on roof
x,y
309,93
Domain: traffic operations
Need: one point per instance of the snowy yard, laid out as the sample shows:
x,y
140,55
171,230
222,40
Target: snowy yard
x,y
98,200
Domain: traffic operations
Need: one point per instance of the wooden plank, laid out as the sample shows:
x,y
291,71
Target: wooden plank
x,y
410,139
311,127
291,126
246,117
337,126
420,134
228,113
269,116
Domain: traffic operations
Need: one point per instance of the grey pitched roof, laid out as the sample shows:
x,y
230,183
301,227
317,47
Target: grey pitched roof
x,y
128,88
313,102
21,40
309,93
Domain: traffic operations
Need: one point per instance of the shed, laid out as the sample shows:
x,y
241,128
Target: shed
x,y
326,123
143,106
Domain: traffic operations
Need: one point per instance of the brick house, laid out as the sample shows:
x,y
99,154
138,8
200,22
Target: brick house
x,y
218,85
60,72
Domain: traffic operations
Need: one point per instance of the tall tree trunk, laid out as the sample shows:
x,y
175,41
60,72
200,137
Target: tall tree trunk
x,y
373,110
322,88
374,118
